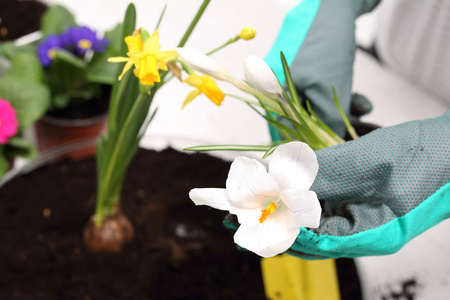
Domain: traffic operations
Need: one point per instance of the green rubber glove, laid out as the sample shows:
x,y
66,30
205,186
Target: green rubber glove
x,y
380,191
318,40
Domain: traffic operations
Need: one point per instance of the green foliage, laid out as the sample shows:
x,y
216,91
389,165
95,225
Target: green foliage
x,y
30,103
33,89
289,118
100,70
19,146
56,19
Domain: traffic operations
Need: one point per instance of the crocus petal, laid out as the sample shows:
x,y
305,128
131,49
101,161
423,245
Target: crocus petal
x,y
293,165
216,198
245,214
203,64
249,185
261,77
267,239
302,208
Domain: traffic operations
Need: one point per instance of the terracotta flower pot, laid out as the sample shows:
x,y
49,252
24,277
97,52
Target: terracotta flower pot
x,y
76,123
52,132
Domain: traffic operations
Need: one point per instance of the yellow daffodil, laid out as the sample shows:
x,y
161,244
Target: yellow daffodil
x,y
205,85
147,58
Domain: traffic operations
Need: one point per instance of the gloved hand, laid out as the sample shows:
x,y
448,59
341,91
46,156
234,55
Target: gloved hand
x,y
318,41
380,191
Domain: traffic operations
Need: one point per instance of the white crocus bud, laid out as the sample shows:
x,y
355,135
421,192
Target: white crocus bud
x,y
261,77
202,63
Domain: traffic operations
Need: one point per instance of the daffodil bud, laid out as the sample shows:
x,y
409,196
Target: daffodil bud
x,y
261,77
247,33
203,64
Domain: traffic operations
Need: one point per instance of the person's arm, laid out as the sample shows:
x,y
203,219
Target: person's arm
x,y
318,40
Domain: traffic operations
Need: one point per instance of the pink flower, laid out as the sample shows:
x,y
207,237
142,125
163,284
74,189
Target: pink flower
x,y
8,121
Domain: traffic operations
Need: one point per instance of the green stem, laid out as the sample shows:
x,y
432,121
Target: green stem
x,y
194,22
118,92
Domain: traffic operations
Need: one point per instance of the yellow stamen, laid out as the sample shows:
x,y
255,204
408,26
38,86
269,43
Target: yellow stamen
x,y
84,44
265,213
51,54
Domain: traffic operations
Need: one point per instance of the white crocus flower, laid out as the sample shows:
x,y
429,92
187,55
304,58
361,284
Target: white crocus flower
x,y
261,77
203,64
270,206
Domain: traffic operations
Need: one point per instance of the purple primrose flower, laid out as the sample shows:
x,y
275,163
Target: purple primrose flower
x,y
45,49
83,39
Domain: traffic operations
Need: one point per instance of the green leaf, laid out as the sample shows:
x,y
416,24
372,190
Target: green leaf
x,y
120,87
67,57
19,146
102,71
161,16
27,67
290,83
145,35
4,164
321,124
229,148
350,128
60,100
56,19
31,100
270,151
129,25
194,22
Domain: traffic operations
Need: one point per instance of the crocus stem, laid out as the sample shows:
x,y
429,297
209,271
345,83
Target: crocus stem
x,y
194,22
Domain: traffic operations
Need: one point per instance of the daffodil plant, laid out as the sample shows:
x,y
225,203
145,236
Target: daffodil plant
x,y
144,73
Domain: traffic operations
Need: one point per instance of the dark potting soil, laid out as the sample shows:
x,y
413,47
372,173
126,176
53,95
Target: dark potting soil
x,y
180,251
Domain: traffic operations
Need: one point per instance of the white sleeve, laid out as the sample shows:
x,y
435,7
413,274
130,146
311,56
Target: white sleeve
x,y
414,39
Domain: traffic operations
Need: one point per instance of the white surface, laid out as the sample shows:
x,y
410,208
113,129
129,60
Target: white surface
x,y
426,258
